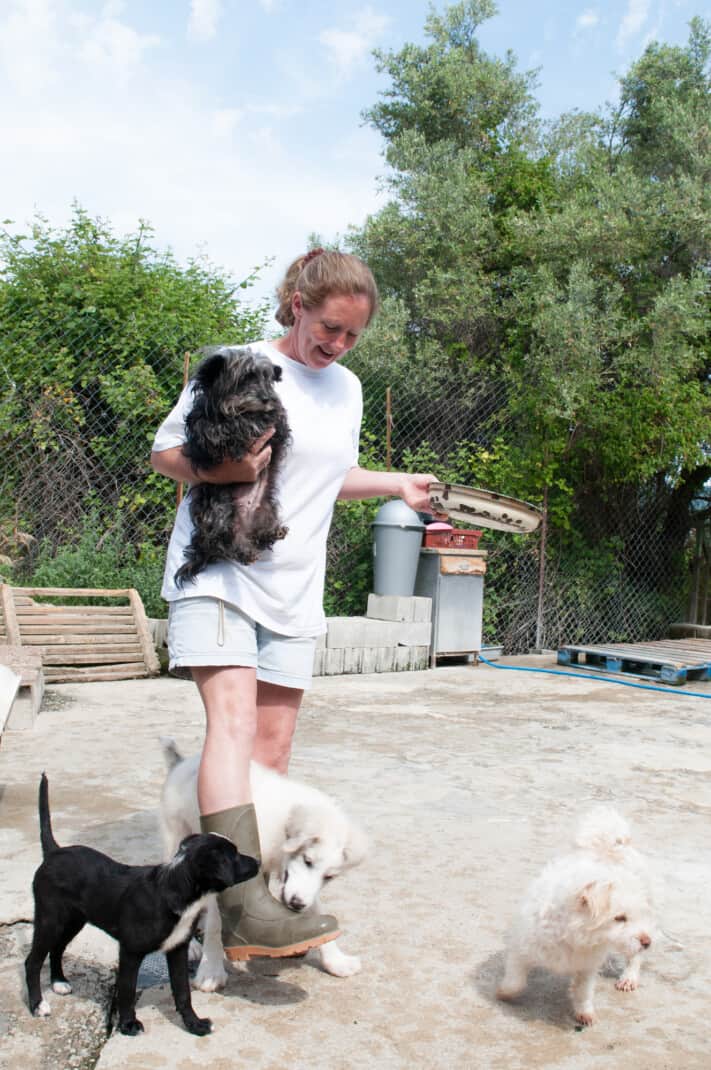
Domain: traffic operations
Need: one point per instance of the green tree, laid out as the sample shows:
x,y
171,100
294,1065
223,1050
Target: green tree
x,y
562,275
94,329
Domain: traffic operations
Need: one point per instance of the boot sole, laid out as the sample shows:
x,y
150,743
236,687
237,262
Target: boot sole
x,y
254,951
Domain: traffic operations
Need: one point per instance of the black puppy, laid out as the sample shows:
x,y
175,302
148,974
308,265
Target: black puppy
x,y
145,908
234,403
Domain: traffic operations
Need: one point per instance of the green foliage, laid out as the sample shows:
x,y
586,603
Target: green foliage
x,y
97,553
95,329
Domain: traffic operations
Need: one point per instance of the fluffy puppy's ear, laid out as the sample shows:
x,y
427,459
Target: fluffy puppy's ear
x,y
594,899
356,846
299,830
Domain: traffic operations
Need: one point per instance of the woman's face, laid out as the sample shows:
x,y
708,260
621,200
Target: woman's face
x,y
322,334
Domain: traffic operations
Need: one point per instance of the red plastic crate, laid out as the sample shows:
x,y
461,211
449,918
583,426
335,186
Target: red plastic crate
x,y
457,539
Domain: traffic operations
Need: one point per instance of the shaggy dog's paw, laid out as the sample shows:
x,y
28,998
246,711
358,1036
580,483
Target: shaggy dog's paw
x,y
626,984
585,1018
62,988
335,962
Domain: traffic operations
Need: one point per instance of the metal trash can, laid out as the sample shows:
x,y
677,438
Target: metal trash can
x,y
397,540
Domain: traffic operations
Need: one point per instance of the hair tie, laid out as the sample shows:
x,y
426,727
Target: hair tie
x,y
311,255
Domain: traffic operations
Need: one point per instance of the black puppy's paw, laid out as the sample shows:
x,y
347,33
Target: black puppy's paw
x,y
131,1027
200,1027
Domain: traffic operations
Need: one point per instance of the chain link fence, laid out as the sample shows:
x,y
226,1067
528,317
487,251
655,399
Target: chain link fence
x,y
80,506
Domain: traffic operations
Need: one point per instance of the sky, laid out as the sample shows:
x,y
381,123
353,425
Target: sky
x,y
234,127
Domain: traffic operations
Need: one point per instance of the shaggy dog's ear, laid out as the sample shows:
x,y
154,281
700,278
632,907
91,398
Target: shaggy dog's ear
x,y
356,846
299,834
595,898
209,369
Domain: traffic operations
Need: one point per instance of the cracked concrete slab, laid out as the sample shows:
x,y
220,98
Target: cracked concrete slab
x,y
467,779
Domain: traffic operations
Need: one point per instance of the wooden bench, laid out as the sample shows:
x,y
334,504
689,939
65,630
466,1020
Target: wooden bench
x,y
80,642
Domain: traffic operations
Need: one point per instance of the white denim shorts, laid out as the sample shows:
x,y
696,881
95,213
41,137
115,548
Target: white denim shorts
x,y
208,631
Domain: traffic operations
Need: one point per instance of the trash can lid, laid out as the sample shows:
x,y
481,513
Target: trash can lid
x,y
397,514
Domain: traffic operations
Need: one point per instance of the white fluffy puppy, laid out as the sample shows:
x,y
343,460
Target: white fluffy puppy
x,y
587,904
305,837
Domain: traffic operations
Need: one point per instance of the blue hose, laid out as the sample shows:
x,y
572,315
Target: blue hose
x,y
588,675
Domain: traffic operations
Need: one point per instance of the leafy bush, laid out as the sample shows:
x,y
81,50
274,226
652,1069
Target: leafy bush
x,y
98,555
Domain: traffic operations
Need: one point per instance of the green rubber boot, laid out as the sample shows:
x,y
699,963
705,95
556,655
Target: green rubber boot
x,y
254,923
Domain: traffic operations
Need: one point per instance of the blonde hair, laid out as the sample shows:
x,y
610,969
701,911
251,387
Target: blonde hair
x,y
320,274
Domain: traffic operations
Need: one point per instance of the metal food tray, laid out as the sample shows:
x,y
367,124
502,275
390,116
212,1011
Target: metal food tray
x,y
484,508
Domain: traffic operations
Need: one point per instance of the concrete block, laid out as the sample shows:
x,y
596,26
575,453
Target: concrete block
x,y
385,659
332,663
402,658
419,657
353,659
159,631
346,632
415,634
398,608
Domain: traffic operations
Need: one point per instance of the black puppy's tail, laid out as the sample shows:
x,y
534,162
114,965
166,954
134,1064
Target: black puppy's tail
x,y
46,836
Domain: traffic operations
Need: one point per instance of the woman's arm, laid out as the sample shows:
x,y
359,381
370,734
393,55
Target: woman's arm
x,y
412,488
174,464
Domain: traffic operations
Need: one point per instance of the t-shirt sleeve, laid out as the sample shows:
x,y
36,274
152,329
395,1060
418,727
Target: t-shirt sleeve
x,y
357,419
172,431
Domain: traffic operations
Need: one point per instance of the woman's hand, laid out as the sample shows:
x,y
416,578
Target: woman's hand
x,y
174,464
415,490
246,470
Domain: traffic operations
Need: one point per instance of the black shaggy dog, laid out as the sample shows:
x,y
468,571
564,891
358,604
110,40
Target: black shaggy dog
x,y
234,402
145,908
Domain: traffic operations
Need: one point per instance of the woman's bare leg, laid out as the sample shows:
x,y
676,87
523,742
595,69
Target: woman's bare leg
x,y
229,695
277,710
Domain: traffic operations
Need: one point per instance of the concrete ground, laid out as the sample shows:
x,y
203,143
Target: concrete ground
x,y
467,779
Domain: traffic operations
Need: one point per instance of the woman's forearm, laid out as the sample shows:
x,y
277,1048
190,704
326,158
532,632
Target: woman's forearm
x,y
360,483
411,487
174,464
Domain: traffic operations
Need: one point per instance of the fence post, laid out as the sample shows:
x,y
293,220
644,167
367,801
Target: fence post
x,y
186,373
388,426
542,573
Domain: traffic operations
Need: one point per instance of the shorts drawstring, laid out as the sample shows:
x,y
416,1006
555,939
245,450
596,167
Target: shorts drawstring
x,y
220,622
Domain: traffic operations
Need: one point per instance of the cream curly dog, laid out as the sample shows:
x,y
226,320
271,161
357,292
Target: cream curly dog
x,y
594,901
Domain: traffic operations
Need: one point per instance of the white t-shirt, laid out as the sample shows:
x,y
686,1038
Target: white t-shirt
x,y
283,589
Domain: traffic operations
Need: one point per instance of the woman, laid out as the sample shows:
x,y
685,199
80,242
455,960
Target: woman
x,y
248,633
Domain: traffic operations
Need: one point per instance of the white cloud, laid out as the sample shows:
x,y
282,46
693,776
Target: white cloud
x,y
112,45
224,121
44,43
347,48
632,22
162,148
587,19
204,17
28,45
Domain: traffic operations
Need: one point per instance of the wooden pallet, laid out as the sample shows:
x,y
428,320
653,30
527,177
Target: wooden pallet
x,y
671,661
80,642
